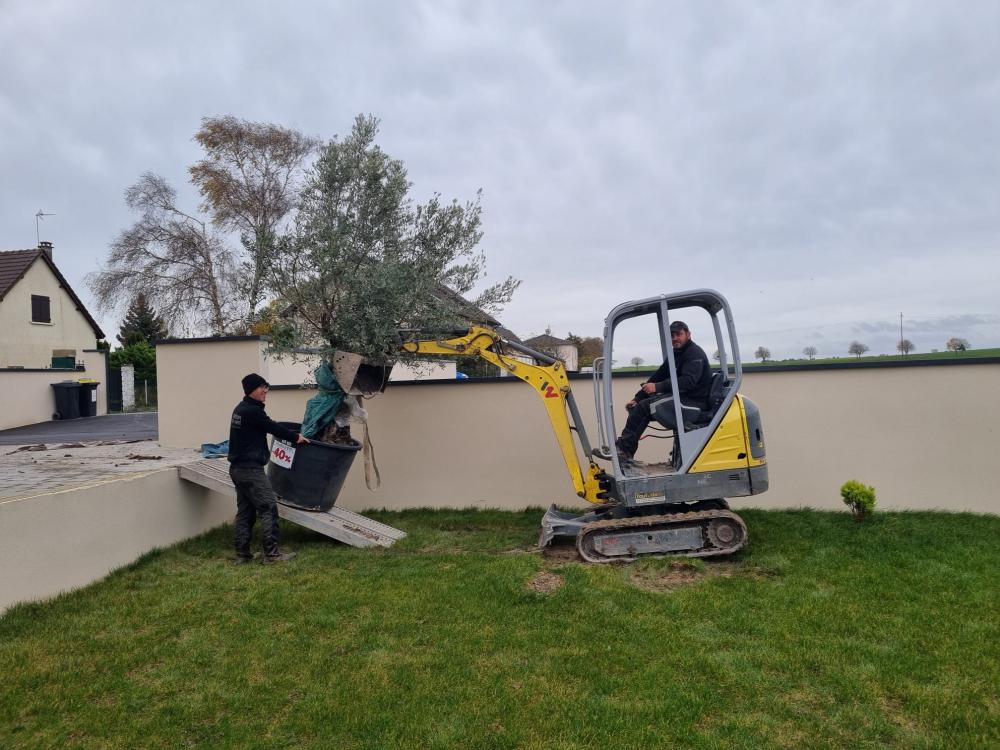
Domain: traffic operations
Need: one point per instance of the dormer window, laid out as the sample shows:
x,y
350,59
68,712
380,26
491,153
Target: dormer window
x,y
40,309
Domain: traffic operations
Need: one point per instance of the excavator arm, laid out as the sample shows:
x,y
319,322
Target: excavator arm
x,y
550,383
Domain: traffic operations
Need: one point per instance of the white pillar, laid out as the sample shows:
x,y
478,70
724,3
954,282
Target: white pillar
x,y
128,387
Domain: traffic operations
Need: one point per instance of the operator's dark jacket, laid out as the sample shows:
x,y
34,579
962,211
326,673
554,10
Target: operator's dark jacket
x,y
248,432
694,376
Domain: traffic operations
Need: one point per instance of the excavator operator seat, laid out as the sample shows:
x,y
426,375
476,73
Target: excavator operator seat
x,y
716,395
662,410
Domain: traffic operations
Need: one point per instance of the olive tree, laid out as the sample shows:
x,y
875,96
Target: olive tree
x,y
364,260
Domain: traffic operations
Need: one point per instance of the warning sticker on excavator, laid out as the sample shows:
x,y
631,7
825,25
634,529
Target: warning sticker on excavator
x,y
282,453
646,497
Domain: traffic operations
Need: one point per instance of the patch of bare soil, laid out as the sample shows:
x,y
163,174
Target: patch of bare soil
x,y
560,553
546,582
677,574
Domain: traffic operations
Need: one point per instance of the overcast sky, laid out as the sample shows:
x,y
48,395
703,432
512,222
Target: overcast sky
x,y
826,166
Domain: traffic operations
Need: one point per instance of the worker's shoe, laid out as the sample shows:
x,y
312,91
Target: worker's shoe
x,y
242,559
280,557
602,453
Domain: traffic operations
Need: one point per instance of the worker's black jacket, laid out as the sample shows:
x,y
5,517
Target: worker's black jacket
x,y
248,432
694,376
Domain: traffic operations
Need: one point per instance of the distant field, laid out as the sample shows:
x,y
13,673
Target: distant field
x,y
915,356
970,354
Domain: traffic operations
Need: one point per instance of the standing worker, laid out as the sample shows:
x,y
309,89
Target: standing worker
x,y
248,454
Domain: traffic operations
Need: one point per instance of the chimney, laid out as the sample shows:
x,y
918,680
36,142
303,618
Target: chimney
x,y
46,247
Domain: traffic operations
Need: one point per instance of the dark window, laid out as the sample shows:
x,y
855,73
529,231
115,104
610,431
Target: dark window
x,y
40,309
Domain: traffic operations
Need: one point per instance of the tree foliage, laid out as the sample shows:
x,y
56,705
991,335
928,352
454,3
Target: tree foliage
x,y
857,349
809,351
589,348
140,355
249,180
141,323
364,260
956,344
904,347
762,353
185,264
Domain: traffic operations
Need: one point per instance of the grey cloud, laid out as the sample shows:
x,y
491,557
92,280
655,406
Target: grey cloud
x,y
820,164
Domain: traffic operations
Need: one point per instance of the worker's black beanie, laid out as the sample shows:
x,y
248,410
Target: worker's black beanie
x,y
252,382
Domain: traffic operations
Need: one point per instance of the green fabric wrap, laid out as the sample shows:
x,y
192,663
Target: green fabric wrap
x,y
322,408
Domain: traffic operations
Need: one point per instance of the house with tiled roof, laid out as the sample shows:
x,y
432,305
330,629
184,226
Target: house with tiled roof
x,y
43,323
556,347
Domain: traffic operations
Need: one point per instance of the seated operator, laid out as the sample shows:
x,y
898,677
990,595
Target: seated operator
x,y
694,380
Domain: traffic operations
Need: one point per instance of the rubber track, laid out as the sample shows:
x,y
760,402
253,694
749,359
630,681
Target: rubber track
x,y
665,521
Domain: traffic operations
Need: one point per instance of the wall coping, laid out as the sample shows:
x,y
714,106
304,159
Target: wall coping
x,y
210,340
43,369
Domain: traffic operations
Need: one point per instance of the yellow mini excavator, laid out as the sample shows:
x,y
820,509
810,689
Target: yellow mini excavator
x,y
677,507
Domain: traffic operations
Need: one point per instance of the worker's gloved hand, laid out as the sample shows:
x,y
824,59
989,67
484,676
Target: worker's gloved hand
x,y
630,405
302,439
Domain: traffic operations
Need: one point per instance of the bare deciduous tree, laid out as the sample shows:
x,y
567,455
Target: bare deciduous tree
x,y
857,349
249,181
177,261
904,347
956,344
636,361
184,264
809,351
762,353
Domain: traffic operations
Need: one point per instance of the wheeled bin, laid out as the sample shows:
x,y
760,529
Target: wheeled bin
x,y
88,397
67,400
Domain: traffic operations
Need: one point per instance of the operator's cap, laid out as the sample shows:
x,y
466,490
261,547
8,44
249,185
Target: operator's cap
x,y
679,325
252,382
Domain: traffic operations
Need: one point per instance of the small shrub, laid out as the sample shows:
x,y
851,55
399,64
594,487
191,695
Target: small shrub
x,y
860,498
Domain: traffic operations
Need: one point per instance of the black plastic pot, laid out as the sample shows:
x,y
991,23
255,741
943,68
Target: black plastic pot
x,y
316,475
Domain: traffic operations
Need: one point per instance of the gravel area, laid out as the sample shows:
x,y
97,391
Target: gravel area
x,y
39,469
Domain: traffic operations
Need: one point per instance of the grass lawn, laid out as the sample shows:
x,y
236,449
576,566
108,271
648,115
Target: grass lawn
x,y
823,633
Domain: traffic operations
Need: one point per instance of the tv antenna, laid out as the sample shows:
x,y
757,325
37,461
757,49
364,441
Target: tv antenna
x,y
40,215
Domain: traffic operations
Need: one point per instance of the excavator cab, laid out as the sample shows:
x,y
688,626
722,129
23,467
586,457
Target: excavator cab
x,y
693,422
675,505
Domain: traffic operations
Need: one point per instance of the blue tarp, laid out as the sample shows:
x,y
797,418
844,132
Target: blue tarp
x,y
215,450
322,408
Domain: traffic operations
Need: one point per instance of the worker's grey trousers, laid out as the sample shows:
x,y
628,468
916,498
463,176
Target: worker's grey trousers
x,y
254,499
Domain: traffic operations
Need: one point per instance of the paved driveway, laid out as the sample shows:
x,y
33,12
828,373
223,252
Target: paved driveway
x,y
136,426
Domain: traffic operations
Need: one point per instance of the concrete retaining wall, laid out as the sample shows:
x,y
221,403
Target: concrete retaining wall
x,y
62,540
924,435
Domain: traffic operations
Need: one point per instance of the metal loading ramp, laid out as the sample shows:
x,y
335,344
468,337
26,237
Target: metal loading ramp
x,y
337,523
